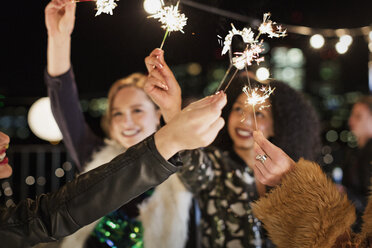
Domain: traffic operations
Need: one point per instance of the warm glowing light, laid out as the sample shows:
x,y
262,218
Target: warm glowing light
x,y
341,48
105,6
317,41
246,34
346,40
41,121
370,35
262,73
257,95
171,18
269,27
250,54
152,6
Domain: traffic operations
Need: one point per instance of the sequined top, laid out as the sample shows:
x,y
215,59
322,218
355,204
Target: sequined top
x,y
225,187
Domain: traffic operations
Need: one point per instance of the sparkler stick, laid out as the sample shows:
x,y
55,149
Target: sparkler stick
x,y
224,77
250,88
165,36
231,79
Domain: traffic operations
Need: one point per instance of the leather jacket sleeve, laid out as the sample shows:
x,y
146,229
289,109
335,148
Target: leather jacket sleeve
x,y
85,199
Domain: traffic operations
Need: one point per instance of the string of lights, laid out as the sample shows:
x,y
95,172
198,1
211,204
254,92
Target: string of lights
x,y
317,36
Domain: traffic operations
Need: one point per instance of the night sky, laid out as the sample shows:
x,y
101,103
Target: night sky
x,y
106,47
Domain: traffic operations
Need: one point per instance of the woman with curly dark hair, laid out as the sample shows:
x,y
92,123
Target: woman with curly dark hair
x,y
294,119
221,176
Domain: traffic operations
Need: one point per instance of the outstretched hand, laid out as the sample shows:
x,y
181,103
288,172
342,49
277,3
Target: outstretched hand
x,y
162,86
277,163
195,126
60,17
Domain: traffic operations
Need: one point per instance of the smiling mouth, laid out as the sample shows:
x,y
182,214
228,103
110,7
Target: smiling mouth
x,y
130,133
3,158
243,133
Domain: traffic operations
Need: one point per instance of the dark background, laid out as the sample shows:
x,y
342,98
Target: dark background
x,y
105,48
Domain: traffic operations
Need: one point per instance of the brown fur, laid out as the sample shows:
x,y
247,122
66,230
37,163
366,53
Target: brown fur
x,y
367,219
306,210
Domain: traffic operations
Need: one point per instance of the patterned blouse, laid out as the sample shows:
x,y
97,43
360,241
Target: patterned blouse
x,y
225,187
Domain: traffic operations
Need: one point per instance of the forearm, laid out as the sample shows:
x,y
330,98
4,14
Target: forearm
x,y
58,55
87,198
79,139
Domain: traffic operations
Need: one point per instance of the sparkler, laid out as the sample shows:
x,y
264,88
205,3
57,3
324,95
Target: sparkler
x,y
171,19
257,96
253,49
103,6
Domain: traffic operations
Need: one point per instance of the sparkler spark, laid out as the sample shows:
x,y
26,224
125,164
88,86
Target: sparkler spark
x,y
246,34
250,54
257,95
171,19
105,6
269,27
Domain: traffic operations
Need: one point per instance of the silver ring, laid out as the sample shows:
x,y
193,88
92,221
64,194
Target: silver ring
x,y
261,158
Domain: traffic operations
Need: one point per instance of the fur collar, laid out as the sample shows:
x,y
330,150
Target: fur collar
x,y
165,215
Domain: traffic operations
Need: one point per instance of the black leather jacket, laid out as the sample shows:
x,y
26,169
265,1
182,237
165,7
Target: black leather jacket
x,y
85,199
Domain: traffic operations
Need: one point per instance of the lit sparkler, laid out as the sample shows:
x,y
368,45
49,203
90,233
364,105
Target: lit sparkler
x,y
269,27
246,34
171,19
257,96
103,6
254,47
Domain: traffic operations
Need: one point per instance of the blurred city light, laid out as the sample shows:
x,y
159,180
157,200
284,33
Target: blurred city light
x,y
152,6
41,121
317,41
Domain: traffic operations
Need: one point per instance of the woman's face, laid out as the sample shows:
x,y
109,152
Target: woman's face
x,y
5,169
360,121
241,123
133,116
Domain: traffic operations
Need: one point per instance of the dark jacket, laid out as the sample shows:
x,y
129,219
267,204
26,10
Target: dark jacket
x,y
85,199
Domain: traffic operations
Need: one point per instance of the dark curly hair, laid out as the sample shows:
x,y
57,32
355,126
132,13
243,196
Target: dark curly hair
x,y
296,125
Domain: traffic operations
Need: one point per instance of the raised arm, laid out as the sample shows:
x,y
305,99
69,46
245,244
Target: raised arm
x,y
60,80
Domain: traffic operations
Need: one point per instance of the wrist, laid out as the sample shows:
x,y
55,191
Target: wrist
x,y
168,114
166,143
58,55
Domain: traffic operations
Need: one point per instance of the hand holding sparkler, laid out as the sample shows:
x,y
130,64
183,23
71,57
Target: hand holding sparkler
x,y
162,86
171,19
60,17
277,163
59,20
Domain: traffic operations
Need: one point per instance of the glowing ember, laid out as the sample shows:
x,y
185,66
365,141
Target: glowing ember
x,y
257,95
105,6
269,27
246,34
171,18
250,54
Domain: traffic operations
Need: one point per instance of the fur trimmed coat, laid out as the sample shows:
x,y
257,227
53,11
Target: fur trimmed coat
x,y
307,210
